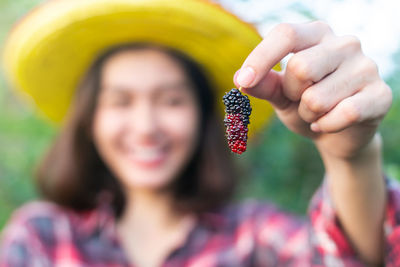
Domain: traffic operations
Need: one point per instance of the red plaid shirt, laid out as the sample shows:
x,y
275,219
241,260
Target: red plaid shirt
x,y
250,234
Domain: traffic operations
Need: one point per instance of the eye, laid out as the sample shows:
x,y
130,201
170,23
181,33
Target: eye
x,y
120,101
115,99
173,99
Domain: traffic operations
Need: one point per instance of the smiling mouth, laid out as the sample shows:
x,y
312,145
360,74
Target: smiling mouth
x,y
147,157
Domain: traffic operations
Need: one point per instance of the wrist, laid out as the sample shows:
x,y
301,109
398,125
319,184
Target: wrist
x,y
366,161
371,151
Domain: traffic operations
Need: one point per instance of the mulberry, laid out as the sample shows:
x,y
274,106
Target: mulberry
x,y
237,112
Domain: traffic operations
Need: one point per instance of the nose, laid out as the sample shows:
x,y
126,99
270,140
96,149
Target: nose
x,y
143,120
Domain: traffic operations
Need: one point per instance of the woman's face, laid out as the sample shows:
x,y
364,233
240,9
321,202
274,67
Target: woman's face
x,y
147,118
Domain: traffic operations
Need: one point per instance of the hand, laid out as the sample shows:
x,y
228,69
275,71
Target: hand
x,y
330,91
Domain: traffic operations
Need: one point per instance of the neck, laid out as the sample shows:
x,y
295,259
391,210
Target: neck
x,y
149,223
149,209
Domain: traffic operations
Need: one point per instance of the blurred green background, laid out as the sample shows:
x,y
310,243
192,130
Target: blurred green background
x,y
279,165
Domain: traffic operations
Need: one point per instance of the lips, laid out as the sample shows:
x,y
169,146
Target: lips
x,y
147,157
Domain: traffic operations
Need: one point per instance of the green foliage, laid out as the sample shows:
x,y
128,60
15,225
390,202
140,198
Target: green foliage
x,y
390,127
23,136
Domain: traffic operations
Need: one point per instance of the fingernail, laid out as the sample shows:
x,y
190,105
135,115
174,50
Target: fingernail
x,y
246,76
315,127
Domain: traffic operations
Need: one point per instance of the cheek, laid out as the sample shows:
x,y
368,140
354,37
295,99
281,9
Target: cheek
x,y
106,125
182,125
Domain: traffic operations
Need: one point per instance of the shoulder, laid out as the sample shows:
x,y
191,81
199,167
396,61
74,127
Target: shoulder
x,y
40,230
267,223
254,215
46,223
35,218
262,227
37,215
30,231
37,208
257,210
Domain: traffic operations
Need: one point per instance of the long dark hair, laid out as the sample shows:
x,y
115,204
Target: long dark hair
x,y
73,174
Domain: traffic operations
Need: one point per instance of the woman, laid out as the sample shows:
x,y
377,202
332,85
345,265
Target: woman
x,y
139,174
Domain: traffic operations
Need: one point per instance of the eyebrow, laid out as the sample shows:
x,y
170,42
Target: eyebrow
x,y
175,85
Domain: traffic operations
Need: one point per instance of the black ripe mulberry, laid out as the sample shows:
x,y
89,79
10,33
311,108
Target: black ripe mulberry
x,y
237,112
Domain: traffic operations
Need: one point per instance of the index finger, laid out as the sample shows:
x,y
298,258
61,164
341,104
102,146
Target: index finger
x,y
285,38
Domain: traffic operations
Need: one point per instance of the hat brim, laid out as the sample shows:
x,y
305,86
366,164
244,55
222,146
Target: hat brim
x,y
50,49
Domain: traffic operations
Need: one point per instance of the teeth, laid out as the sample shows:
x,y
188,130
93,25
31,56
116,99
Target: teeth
x,y
146,154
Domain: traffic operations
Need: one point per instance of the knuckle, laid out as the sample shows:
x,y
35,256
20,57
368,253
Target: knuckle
x,y
350,112
350,42
305,115
323,26
300,68
388,92
313,102
287,30
369,67
386,95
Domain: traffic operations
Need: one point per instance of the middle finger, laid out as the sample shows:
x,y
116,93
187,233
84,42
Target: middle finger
x,y
350,77
311,65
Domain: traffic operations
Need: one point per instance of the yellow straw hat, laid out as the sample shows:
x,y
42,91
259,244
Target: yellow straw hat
x,y
50,49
